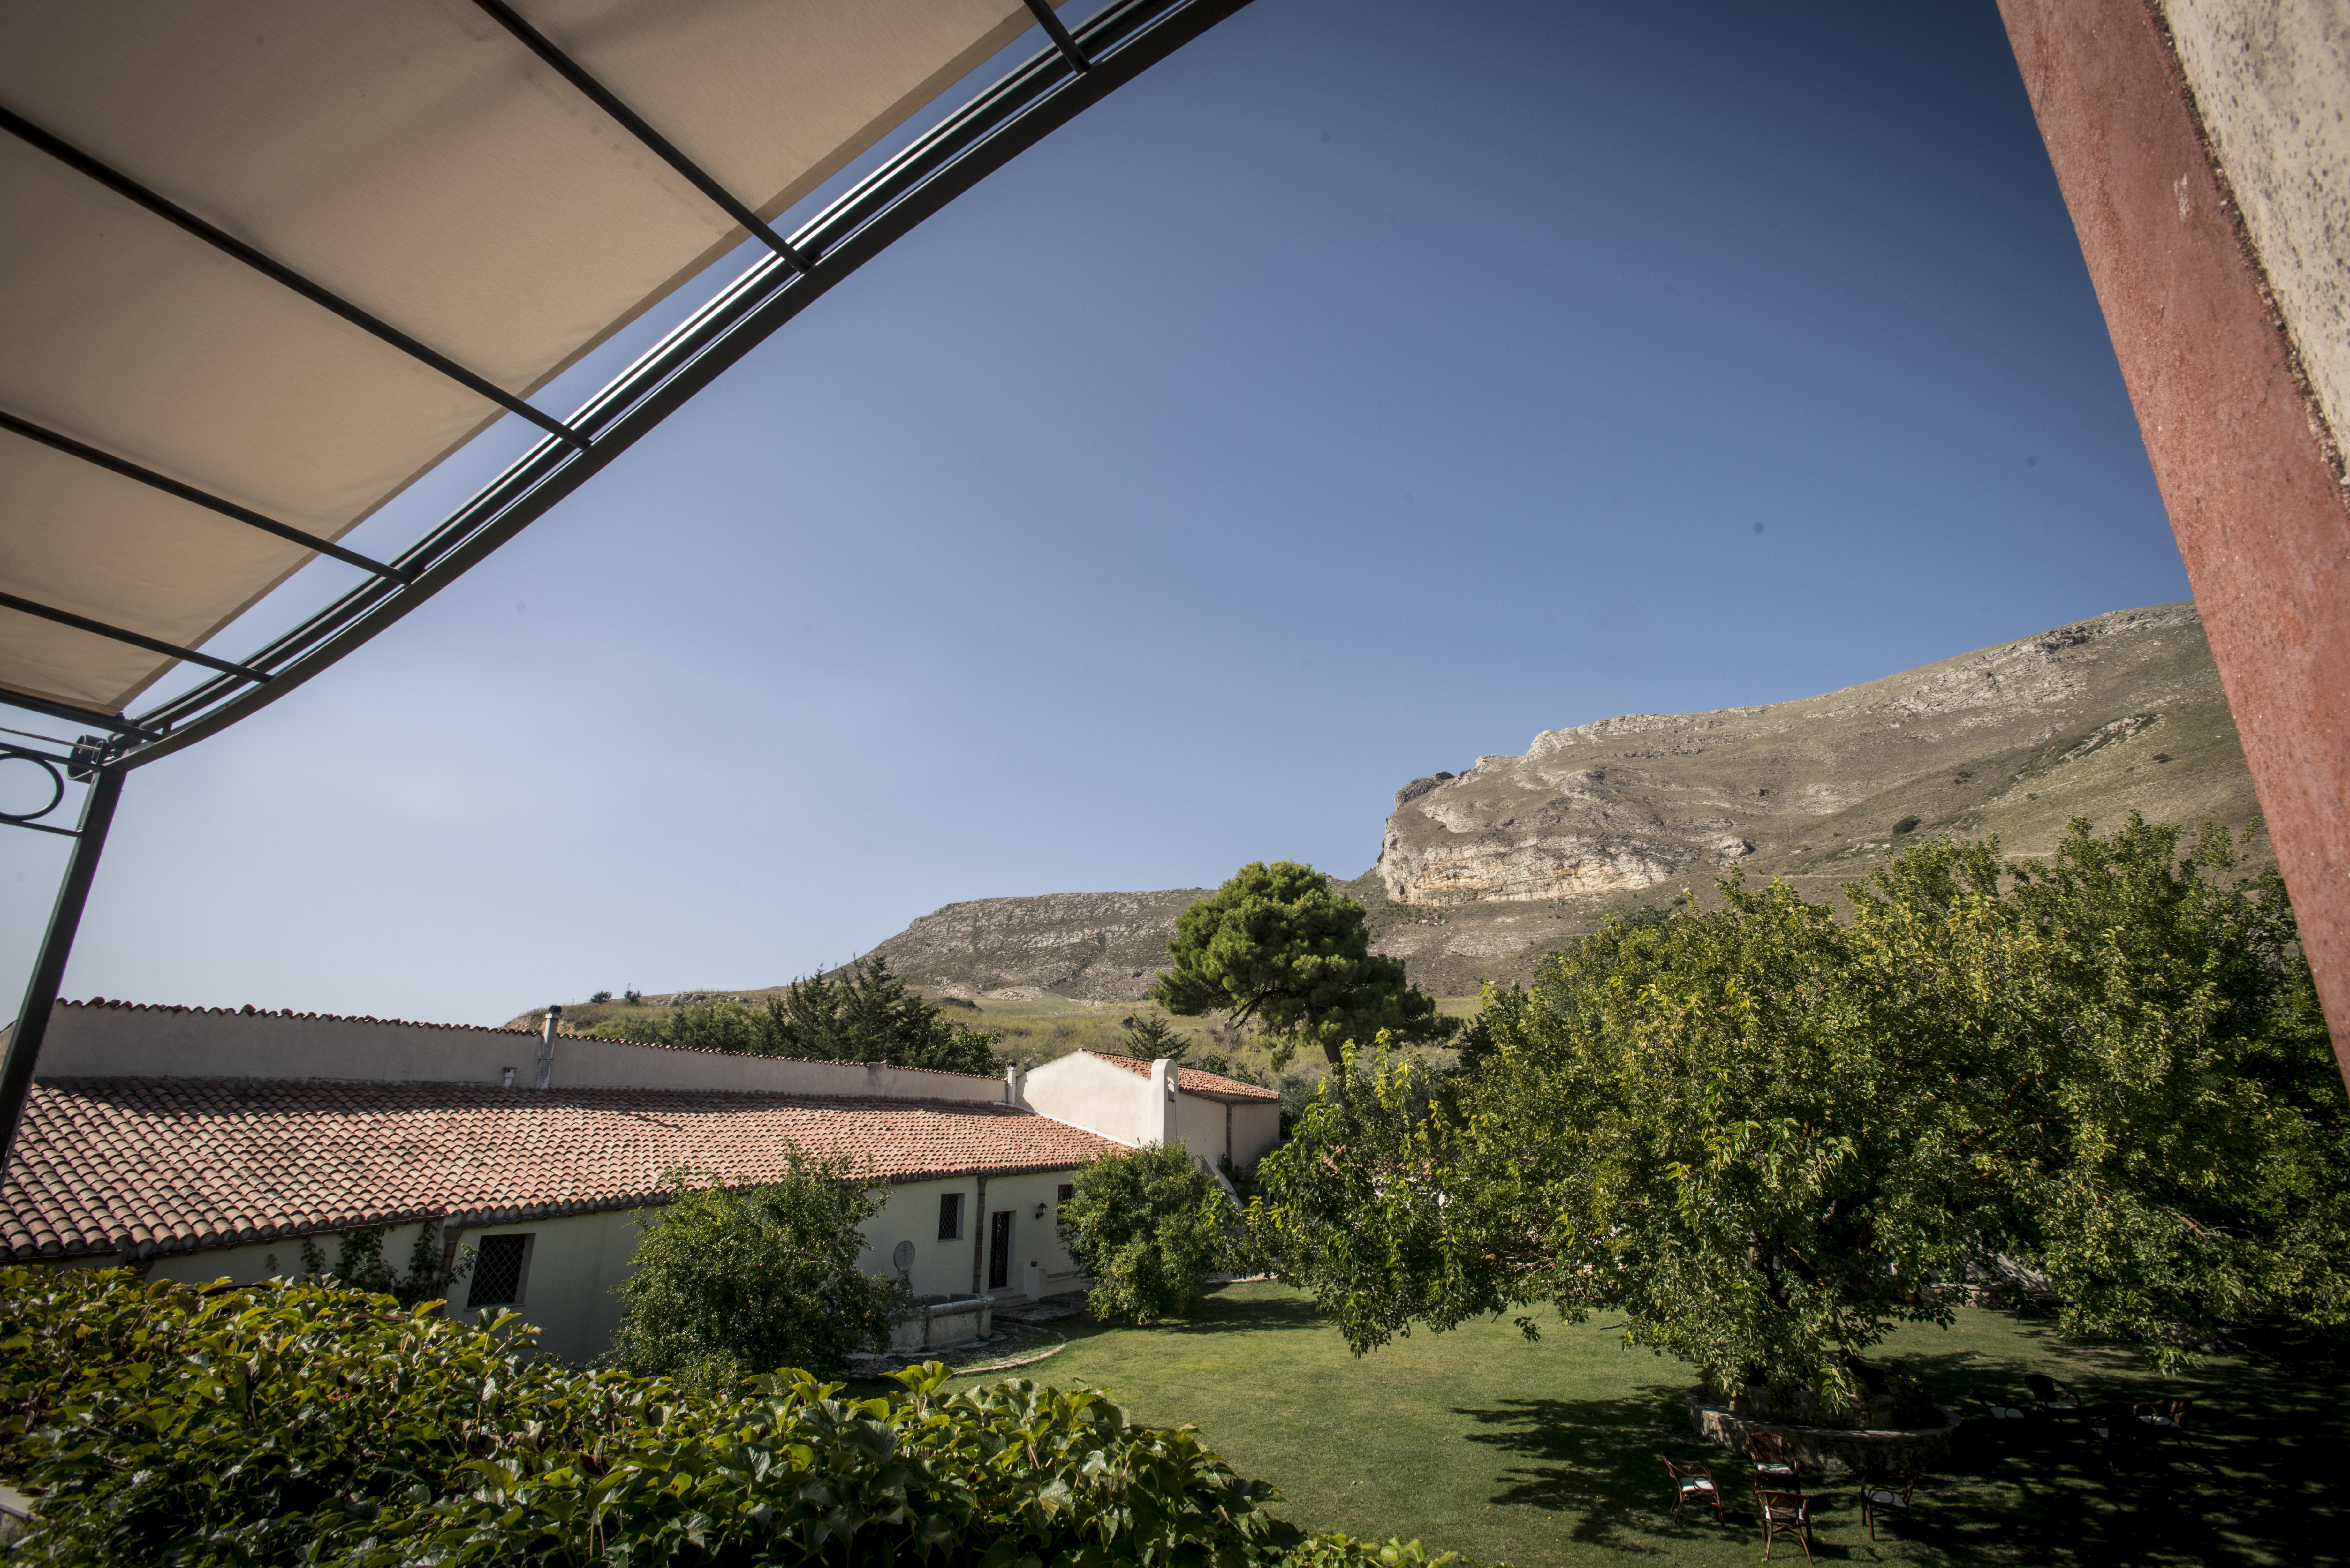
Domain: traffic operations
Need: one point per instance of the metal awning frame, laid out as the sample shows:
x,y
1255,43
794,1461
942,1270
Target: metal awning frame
x,y
1036,98
1077,69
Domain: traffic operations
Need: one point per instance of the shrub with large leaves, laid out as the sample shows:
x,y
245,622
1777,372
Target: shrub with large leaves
x,y
302,1423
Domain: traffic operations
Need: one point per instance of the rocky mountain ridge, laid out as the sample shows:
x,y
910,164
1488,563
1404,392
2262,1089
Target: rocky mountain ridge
x,y
1481,873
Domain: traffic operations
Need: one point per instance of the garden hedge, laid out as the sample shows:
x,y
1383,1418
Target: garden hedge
x,y
300,1422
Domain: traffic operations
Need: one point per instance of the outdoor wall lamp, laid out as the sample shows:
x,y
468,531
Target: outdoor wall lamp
x,y
1040,1212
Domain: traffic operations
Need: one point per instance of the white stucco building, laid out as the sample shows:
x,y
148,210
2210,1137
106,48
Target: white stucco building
x,y
202,1144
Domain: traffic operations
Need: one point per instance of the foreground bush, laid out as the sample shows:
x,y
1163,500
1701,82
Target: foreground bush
x,y
304,1423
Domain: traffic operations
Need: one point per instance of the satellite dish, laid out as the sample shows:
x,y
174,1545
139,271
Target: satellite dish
x,y
904,1258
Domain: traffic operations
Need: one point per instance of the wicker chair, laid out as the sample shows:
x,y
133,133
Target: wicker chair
x,y
1775,1461
2165,1421
2120,1437
2051,1397
1692,1481
1784,1512
1882,1494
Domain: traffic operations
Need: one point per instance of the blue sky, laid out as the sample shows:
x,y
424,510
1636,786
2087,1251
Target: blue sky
x,y
1369,387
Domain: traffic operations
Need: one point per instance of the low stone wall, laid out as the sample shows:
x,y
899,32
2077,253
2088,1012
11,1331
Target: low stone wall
x,y
1834,1450
933,1325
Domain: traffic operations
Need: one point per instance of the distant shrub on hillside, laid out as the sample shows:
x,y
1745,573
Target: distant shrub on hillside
x,y
1151,1038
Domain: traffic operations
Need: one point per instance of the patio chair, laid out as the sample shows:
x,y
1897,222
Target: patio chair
x,y
1693,1481
1774,1459
1784,1512
2051,1397
2121,1438
1885,1494
2166,1421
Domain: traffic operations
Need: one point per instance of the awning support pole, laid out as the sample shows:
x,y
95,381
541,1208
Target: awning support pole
x,y
57,945
123,185
1058,31
603,97
135,638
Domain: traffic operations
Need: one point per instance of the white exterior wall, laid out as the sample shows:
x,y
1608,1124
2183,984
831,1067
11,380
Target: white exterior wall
x,y
1256,1128
1103,1097
576,1262
945,1268
1218,1128
160,1043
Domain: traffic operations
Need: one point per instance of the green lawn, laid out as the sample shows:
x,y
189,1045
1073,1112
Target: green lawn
x,y
1480,1442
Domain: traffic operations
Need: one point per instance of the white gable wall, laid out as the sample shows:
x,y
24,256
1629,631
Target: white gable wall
x,y
1100,1097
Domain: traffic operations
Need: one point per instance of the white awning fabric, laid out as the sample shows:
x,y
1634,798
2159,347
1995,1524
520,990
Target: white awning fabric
x,y
411,157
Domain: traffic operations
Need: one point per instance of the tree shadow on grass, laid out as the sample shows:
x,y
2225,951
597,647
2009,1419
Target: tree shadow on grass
x,y
2261,1485
1597,1460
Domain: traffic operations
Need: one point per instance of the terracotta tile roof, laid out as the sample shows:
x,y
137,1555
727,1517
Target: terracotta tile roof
x,y
563,1031
1192,1081
145,1166
249,1011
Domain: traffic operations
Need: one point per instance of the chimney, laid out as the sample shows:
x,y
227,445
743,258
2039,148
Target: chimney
x,y
1012,1084
1161,1113
547,1046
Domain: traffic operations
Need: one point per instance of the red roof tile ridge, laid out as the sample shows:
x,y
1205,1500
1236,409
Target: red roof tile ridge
x,y
1198,1080
249,1011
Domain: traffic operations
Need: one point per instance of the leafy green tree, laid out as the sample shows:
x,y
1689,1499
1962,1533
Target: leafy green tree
x,y
1146,1228
1151,1038
1762,1136
1275,945
729,1284
865,1013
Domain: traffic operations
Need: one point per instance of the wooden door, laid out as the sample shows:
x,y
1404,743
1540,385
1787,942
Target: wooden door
x,y
999,1250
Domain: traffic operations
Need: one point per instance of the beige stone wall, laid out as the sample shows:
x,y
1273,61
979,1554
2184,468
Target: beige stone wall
x,y
2272,84
159,1042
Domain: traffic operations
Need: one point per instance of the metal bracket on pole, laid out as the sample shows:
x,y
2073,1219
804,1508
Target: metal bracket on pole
x,y
57,945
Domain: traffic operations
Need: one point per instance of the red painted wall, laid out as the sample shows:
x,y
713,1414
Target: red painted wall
x,y
2258,510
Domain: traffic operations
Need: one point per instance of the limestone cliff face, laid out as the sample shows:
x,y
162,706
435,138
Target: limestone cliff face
x,y
1625,804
